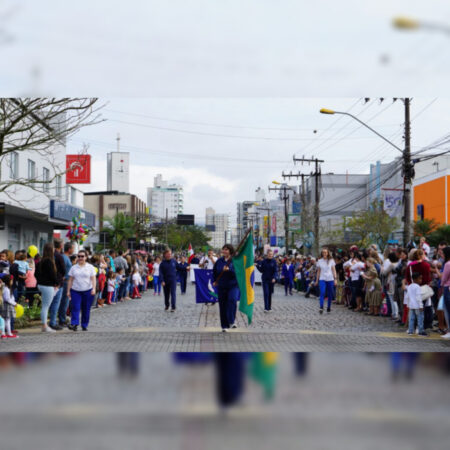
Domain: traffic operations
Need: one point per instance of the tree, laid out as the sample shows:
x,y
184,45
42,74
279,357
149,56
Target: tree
x,y
372,225
180,236
119,229
40,125
441,234
423,228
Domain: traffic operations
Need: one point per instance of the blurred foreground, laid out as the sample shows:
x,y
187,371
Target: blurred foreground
x,y
154,400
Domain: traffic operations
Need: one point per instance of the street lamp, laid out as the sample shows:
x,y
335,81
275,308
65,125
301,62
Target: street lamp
x,y
331,111
410,24
406,161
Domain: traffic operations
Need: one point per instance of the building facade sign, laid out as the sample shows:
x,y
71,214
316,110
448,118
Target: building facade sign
x,y
64,211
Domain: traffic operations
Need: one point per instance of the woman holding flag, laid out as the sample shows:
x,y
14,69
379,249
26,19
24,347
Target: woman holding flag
x,y
224,277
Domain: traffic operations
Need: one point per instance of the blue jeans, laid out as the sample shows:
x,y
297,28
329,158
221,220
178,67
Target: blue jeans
x,y
157,284
288,284
183,279
328,288
447,305
267,291
64,304
47,294
81,300
54,307
413,314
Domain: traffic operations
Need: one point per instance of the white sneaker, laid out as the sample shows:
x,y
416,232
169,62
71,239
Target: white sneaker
x,y
48,330
224,330
234,325
266,311
446,336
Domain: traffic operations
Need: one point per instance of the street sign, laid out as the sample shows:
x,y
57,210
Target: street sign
x,y
294,222
78,169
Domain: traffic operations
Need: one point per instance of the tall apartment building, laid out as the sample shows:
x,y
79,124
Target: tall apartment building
x,y
218,228
164,197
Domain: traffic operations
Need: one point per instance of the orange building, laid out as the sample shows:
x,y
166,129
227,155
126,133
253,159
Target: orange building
x,y
431,197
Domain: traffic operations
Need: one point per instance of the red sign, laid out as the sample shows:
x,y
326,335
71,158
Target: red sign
x,y
274,224
78,169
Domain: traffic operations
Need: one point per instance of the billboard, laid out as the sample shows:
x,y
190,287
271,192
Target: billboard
x,y
78,169
185,219
294,222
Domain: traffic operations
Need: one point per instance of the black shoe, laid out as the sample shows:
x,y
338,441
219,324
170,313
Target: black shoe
x,y
424,333
166,308
84,328
321,311
63,325
328,310
55,327
72,327
306,295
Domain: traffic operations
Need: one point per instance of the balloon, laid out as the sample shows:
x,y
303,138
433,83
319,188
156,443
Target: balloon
x,y
19,311
33,251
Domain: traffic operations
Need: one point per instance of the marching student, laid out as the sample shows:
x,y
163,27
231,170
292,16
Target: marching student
x,y
182,272
287,273
168,278
268,269
224,278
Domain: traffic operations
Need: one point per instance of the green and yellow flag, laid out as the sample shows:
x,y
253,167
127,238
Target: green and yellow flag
x,y
263,369
244,267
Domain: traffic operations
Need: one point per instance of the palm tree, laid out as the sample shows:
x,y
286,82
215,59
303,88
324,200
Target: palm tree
x,y
119,229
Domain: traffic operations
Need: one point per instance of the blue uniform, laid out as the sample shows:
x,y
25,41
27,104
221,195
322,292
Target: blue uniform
x,y
227,291
168,276
182,275
288,274
268,268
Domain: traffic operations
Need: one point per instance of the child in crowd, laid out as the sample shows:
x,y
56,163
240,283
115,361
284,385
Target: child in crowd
x,y
373,297
137,280
22,264
111,282
4,263
120,284
8,310
415,304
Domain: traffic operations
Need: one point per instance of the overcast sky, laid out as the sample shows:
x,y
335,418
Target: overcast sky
x,y
222,48
221,150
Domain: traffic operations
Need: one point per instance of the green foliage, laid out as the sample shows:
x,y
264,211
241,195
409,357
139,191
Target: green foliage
x,y
180,236
120,228
372,225
424,227
442,233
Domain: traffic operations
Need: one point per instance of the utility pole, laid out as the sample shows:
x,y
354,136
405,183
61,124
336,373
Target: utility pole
x,y
408,175
167,220
285,198
317,177
302,194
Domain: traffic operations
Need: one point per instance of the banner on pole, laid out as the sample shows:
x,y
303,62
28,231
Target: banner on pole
x,y
393,203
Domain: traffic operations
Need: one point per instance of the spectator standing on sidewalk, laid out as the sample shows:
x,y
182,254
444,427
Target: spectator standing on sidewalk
x,y
48,284
60,273
81,287
69,248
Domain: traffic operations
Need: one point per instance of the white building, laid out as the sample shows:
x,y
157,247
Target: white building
x,y
165,198
29,216
217,228
118,172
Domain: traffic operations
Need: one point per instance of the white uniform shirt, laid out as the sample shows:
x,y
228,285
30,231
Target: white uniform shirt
x,y
209,262
82,277
156,269
325,266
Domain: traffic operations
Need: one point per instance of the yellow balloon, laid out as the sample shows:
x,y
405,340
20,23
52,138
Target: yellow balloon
x,y
19,311
96,269
33,251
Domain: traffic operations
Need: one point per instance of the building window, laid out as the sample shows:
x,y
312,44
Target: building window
x,y
58,186
14,165
73,196
31,170
46,179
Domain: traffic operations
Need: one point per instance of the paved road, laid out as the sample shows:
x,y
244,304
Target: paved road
x,y
294,325
344,401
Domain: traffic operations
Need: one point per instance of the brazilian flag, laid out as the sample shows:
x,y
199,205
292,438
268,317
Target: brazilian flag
x,y
263,369
243,262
